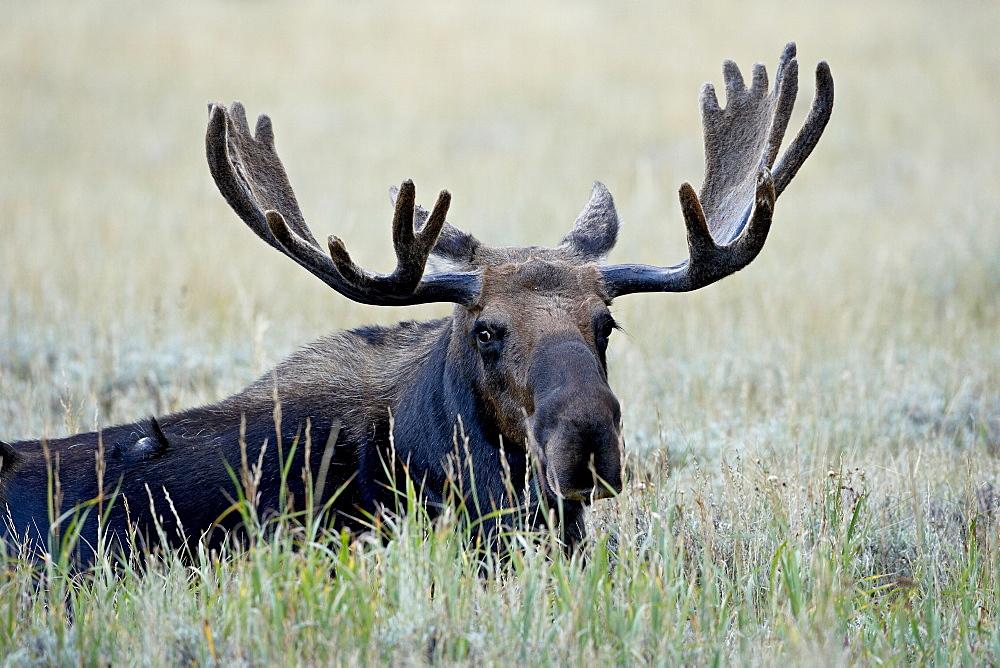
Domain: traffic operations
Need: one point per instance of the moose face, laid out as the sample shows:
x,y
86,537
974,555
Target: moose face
x,y
536,339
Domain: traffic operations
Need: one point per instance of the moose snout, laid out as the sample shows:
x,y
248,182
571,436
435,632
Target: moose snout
x,y
577,421
583,455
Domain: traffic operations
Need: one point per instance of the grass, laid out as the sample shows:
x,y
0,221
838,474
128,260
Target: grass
x,y
813,444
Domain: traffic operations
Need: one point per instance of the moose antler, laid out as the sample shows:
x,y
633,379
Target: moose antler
x,y
728,222
250,176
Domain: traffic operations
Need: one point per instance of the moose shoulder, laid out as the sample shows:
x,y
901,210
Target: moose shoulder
x,y
504,405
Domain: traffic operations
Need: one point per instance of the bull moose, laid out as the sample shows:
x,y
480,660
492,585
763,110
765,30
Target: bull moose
x,y
503,405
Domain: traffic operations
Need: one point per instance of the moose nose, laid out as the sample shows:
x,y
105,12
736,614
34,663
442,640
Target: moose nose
x,y
576,421
583,449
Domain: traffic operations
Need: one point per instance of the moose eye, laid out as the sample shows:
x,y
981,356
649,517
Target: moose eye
x,y
607,328
604,329
488,340
487,336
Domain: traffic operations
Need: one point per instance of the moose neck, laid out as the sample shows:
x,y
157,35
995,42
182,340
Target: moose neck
x,y
455,449
444,431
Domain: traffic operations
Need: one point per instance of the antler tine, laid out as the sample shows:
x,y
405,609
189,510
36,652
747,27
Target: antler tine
x,y
727,224
250,176
249,173
412,249
807,138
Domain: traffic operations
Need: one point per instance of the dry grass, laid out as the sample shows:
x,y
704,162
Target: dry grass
x,y
863,341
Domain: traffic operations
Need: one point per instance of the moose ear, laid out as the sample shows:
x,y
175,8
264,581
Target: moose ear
x,y
454,250
596,229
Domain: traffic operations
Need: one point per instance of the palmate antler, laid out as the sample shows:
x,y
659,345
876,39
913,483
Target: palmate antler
x,y
250,176
728,222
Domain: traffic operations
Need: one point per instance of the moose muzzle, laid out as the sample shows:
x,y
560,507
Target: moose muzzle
x,y
576,425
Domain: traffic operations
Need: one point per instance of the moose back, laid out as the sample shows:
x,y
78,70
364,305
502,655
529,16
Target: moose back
x,y
505,405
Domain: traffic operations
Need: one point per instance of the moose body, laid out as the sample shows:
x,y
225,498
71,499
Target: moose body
x,y
327,387
503,406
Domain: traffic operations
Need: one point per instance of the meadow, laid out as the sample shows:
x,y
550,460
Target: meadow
x,y
813,444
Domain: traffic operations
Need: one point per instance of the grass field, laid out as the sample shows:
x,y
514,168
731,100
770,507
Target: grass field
x,y
814,444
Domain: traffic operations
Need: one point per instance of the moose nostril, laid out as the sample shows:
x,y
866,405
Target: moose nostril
x,y
582,455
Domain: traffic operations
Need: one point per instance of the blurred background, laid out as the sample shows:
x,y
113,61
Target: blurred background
x,y
866,331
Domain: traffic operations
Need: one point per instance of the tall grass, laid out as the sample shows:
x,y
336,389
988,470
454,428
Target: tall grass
x,y
768,574
813,444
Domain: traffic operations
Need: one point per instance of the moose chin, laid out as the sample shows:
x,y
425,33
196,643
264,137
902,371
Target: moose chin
x,y
503,406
